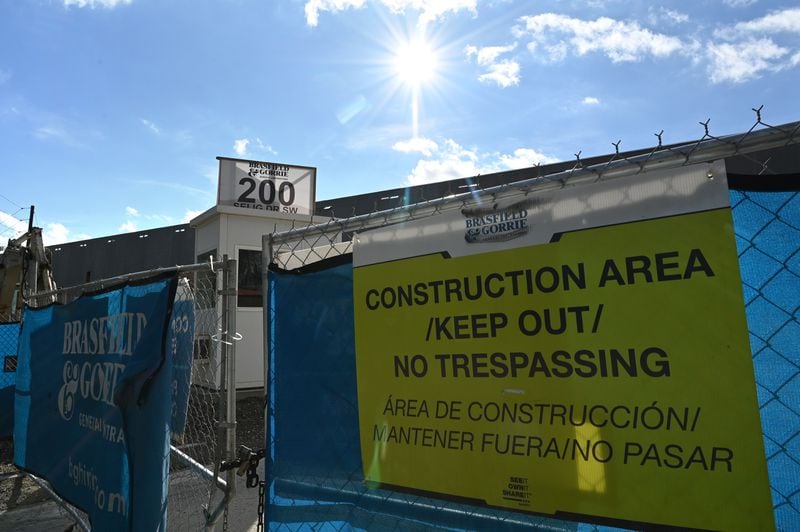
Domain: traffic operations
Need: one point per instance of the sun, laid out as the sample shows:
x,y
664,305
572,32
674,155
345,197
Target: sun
x,y
415,62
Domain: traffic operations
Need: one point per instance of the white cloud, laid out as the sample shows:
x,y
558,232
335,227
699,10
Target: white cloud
x,y
504,72
313,8
453,161
51,132
740,62
5,75
128,227
739,3
240,146
55,233
132,212
749,49
417,144
163,219
590,100
670,16
620,41
74,136
488,54
92,4
429,10
151,126
524,158
265,148
189,215
11,227
785,21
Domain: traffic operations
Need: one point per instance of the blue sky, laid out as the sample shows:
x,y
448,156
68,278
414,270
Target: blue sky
x,y
112,112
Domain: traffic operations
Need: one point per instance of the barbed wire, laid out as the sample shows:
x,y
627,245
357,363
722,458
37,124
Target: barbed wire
x,y
759,136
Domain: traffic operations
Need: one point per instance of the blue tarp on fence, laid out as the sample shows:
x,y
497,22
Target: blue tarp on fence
x,y
92,403
9,337
180,345
315,467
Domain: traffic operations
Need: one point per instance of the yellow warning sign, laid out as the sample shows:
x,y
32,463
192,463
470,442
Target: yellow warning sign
x,y
606,373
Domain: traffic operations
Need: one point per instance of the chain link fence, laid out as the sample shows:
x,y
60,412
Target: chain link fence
x,y
315,479
767,226
202,421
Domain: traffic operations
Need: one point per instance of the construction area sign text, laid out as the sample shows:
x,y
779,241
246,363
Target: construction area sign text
x,y
585,354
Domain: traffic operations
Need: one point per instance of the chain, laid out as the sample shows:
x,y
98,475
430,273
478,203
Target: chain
x,y
247,463
225,519
260,524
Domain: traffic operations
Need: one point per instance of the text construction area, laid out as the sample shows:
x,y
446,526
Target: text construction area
x,y
604,373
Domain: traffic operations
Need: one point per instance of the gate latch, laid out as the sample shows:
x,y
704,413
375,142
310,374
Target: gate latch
x,y
245,463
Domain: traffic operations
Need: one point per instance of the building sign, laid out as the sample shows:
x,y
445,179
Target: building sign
x,y
580,352
272,189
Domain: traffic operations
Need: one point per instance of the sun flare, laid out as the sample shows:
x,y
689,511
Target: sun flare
x,y
415,62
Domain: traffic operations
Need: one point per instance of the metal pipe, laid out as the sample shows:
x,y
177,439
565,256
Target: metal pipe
x,y
390,504
11,475
197,466
224,396
104,283
61,502
229,291
228,383
266,260
213,517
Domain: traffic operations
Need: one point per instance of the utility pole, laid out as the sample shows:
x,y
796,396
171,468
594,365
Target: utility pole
x,y
30,219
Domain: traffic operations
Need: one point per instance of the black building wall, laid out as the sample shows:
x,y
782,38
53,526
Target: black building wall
x,y
101,258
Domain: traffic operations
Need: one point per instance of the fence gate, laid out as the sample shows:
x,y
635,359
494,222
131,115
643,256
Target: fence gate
x,y
203,416
315,475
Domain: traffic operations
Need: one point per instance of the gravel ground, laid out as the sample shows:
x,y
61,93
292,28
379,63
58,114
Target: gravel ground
x,y
21,491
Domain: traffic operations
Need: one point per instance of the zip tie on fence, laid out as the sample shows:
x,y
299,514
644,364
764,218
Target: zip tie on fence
x,y
211,263
764,166
218,337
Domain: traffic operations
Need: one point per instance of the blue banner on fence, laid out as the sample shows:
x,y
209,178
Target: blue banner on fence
x,y
9,336
180,344
315,466
92,403
312,318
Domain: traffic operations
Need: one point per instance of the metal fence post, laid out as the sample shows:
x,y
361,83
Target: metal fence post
x,y
266,260
227,382
229,344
